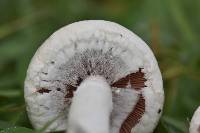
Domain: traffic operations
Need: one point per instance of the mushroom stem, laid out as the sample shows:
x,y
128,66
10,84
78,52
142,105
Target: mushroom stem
x,y
91,107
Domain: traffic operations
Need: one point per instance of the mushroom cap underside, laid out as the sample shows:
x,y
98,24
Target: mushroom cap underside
x,y
95,47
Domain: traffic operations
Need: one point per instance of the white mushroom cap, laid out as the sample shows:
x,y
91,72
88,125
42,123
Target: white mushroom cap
x,y
95,47
195,122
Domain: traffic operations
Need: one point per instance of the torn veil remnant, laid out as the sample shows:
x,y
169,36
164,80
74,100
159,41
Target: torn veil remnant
x,y
95,48
195,122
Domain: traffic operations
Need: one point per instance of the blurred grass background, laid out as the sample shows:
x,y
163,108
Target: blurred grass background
x,y
170,27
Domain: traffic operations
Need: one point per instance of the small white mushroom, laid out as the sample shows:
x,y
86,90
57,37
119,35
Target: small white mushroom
x,y
195,122
61,76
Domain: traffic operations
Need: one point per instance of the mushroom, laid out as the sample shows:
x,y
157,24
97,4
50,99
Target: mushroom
x,y
91,107
195,122
94,76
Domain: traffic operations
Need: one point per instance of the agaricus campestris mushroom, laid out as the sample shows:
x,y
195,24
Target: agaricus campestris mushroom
x,y
94,76
195,122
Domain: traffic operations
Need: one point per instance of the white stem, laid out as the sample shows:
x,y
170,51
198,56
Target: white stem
x,y
91,107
